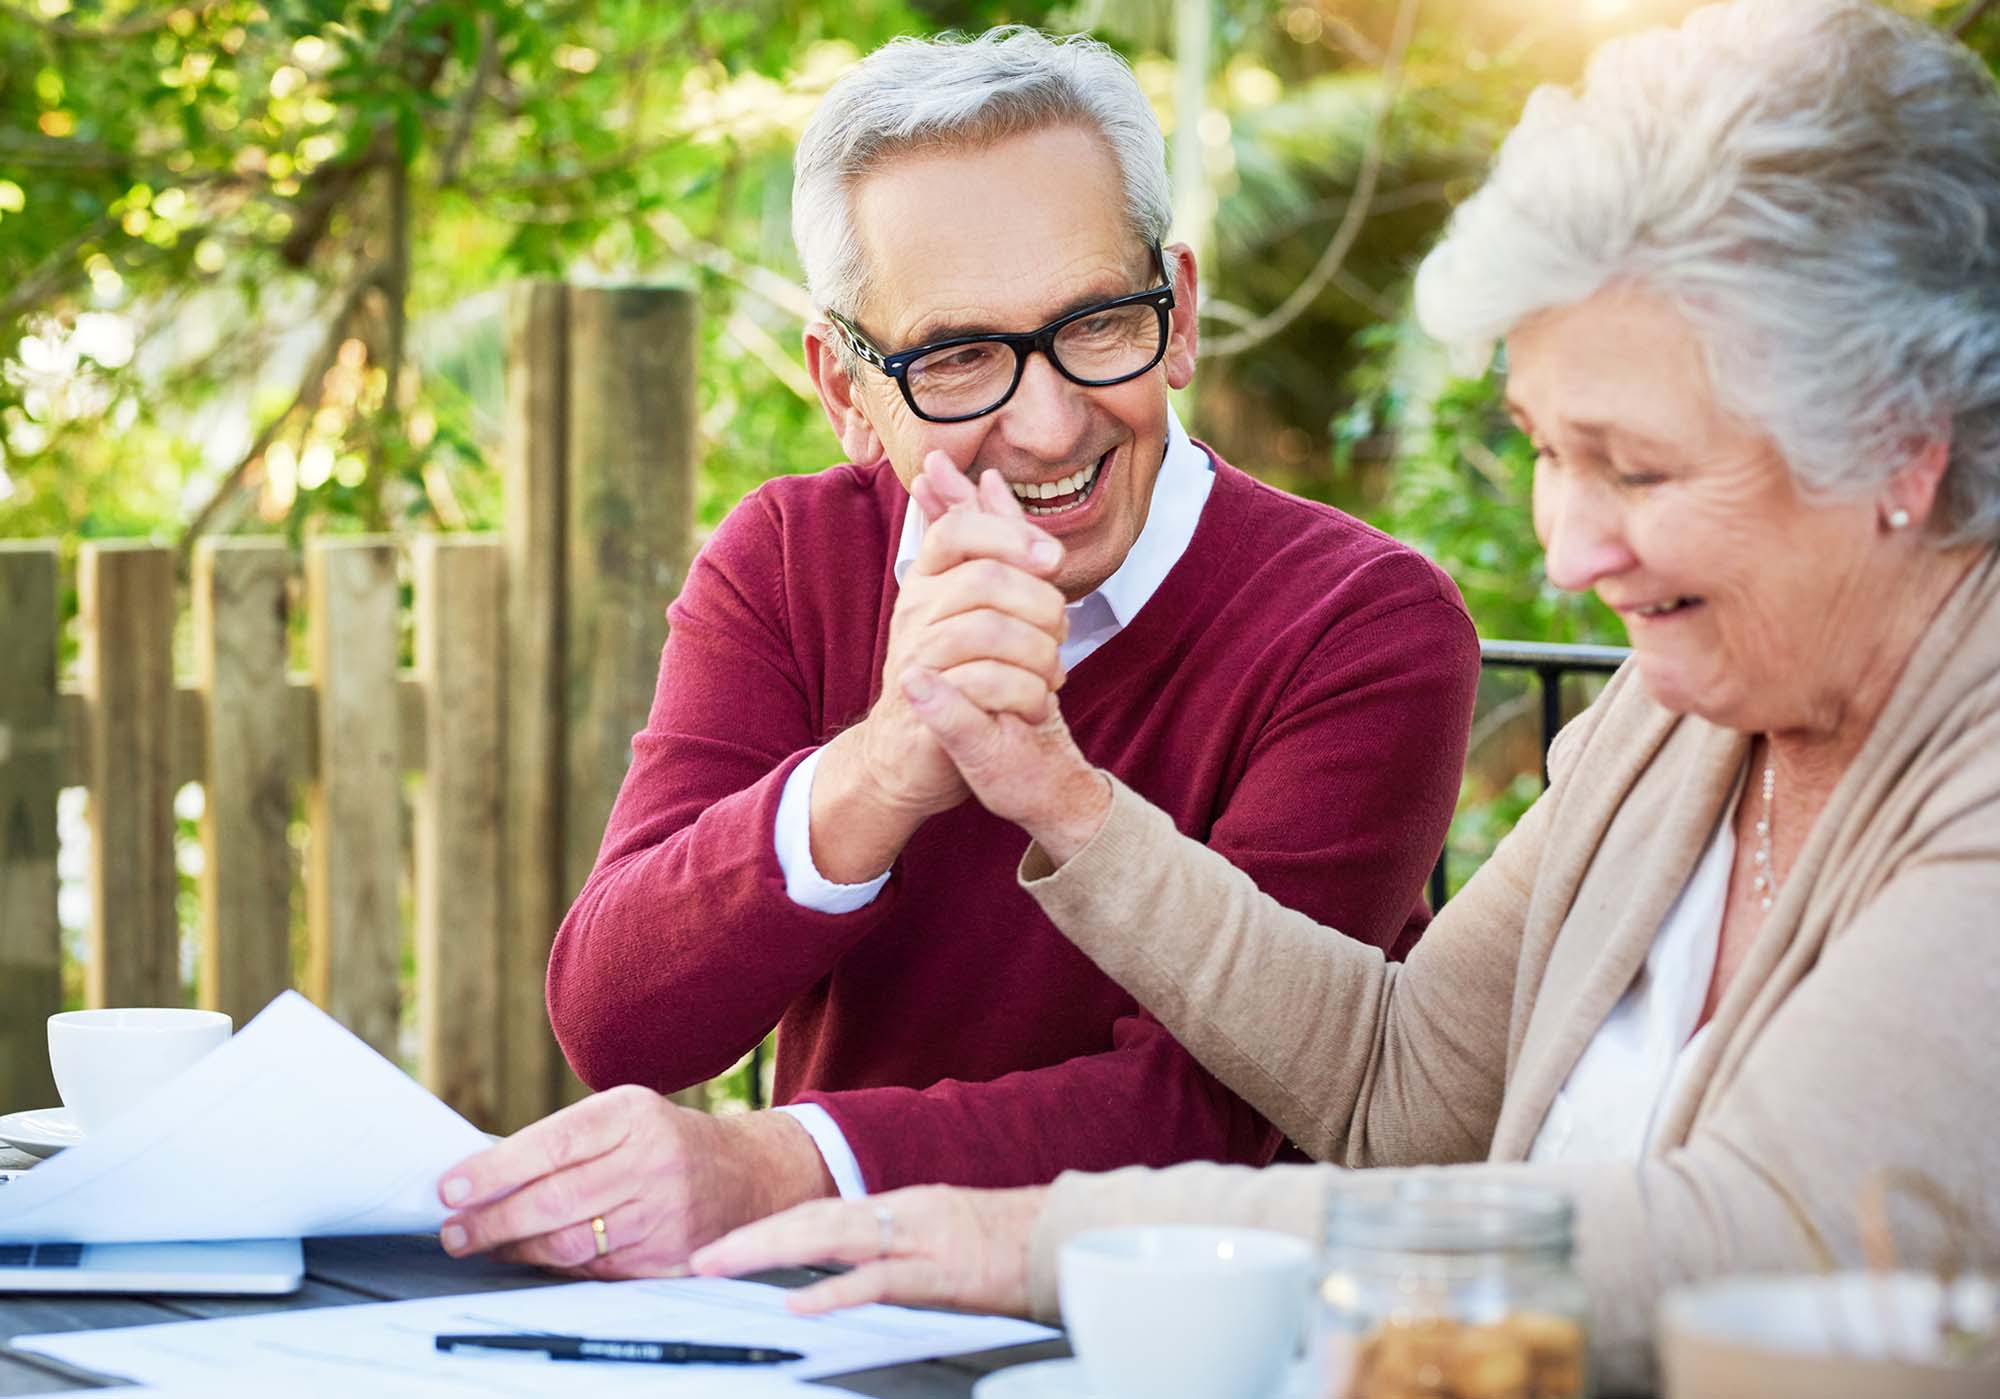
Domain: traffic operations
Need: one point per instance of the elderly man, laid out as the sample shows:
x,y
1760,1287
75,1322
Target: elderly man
x,y
982,225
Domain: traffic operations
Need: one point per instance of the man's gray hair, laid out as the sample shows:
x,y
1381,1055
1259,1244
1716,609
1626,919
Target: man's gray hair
x,y
1816,184
915,95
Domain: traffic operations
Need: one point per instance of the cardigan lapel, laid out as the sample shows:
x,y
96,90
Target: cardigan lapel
x,y
1844,855
1662,817
1635,867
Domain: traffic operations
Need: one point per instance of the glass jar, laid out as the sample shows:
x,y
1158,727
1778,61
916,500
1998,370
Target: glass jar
x,y
1443,1289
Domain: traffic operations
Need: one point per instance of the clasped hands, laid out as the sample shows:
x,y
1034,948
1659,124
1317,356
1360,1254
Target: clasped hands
x,y
626,1183
972,671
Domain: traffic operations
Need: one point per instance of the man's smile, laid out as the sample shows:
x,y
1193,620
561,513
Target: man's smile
x,y
1063,494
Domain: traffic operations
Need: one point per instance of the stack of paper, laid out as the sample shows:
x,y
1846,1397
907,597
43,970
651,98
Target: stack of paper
x,y
293,1128
387,1350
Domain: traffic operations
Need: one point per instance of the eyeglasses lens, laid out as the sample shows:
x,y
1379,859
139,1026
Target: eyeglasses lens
x,y
1109,345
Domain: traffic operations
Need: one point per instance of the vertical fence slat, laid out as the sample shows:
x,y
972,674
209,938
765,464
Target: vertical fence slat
x,y
353,913
537,888
246,881
126,600
30,778
459,838
631,459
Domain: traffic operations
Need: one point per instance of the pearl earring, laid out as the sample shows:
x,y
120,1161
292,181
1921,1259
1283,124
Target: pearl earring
x,y
1899,519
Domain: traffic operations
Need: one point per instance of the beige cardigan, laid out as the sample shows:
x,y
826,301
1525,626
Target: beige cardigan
x,y
1863,1031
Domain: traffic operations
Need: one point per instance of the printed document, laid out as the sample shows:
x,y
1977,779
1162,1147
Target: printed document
x,y
292,1128
387,1349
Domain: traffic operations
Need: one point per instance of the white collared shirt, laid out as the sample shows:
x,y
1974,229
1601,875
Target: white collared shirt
x,y
1611,1105
1179,493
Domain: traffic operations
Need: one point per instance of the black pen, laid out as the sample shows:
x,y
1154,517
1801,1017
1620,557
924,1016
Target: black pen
x,y
637,1352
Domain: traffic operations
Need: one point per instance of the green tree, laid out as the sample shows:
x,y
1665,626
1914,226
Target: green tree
x,y
242,244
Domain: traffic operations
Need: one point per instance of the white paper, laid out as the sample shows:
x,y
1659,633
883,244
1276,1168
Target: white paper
x,y
292,1128
301,1382
387,1349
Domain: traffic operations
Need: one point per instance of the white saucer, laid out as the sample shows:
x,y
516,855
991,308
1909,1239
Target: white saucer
x,y
1064,1379
42,1132
1041,1379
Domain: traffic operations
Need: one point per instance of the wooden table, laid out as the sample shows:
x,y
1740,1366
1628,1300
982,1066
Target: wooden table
x,y
341,1272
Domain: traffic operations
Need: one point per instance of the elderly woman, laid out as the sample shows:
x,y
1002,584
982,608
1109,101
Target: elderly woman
x,y
1741,956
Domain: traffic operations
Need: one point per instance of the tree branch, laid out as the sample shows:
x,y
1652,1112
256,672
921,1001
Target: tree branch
x,y
1961,25
1356,214
1384,202
556,179
312,388
468,103
48,277
129,29
781,292
394,281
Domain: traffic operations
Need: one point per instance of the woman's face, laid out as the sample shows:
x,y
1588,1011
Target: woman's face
x,y
1746,604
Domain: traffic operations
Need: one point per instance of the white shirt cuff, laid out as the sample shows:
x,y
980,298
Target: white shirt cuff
x,y
803,882
833,1147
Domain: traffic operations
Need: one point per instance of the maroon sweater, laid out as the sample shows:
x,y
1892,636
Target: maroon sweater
x,y
1296,695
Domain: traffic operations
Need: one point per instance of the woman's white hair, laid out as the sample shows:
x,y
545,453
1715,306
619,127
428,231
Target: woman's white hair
x,y
914,95
1816,185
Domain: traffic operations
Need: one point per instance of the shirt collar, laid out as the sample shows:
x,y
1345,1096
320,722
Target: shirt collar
x,y
1179,492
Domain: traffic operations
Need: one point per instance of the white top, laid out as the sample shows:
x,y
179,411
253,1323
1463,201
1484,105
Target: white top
x,y
1179,493
1609,1108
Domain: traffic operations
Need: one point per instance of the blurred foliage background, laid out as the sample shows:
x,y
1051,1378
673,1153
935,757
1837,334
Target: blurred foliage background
x,y
252,251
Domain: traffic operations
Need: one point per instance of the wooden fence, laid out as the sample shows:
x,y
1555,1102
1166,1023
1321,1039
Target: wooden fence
x,y
535,656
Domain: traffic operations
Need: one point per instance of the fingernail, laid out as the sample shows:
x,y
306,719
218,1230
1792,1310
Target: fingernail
x,y
456,1190
917,685
453,1238
1046,552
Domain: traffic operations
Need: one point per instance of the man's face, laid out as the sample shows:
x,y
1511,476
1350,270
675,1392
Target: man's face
x,y
1006,238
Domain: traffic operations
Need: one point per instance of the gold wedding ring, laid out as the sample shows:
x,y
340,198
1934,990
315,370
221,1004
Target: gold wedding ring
x,y
885,1225
597,1229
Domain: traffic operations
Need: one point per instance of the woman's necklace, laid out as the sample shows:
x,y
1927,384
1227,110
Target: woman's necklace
x,y
1765,885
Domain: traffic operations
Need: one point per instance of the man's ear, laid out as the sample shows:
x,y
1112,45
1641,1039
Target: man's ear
x,y
1182,335
837,395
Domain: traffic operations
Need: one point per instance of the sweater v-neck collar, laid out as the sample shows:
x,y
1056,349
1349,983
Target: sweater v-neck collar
x,y
1204,561
1179,500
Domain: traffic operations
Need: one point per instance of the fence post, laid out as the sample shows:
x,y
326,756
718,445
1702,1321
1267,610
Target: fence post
x,y
631,453
458,836
537,886
126,605
30,758
353,912
631,523
246,876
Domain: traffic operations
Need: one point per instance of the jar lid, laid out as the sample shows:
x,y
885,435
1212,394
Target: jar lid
x,y
1433,1213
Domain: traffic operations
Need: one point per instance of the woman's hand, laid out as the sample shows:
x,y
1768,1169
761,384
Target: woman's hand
x,y
933,1245
1031,774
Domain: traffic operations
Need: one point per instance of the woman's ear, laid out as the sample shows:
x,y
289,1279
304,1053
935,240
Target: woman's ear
x,y
1911,494
839,397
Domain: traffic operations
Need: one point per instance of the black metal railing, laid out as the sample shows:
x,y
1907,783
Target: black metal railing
x,y
1550,661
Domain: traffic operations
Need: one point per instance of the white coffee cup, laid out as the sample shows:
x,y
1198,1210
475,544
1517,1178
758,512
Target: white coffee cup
x,y
1179,1312
109,1061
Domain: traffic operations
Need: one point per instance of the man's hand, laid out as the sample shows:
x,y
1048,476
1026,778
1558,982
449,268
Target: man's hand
x,y
664,1179
1018,758
976,607
934,1246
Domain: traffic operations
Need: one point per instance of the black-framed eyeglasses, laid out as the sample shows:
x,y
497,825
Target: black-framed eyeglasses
x,y
968,376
